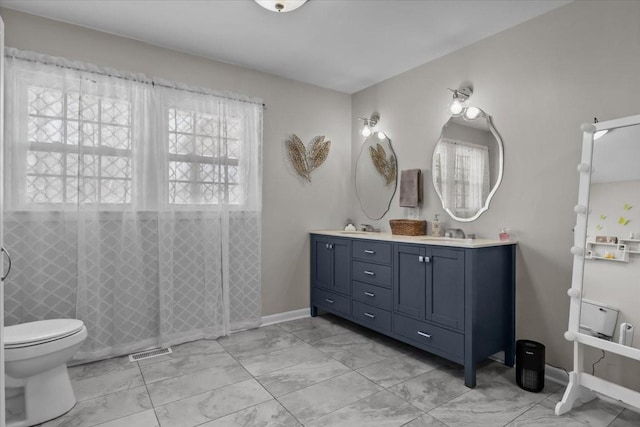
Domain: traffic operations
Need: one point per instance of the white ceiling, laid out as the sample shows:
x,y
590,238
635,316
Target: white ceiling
x,y
346,45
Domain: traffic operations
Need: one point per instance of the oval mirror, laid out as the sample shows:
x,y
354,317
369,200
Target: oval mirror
x,y
467,166
376,175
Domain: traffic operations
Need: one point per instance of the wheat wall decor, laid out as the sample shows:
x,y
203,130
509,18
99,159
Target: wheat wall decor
x,y
304,161
386,168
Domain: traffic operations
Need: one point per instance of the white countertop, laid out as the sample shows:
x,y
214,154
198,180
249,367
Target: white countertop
x,y
425,240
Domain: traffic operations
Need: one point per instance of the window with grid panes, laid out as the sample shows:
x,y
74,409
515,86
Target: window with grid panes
x,y
79,148
204,154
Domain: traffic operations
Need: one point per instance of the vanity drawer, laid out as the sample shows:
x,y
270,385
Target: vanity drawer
x,y
371,273
373,317
332,302
372,295
372,251
428,335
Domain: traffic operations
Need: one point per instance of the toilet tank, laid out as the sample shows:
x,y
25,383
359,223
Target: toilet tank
x,y
598,319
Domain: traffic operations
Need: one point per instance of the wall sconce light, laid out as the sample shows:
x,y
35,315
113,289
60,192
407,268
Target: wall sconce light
x,y
370,123
458,105
281,5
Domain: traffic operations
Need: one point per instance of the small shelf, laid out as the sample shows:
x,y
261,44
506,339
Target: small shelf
x,y
620,251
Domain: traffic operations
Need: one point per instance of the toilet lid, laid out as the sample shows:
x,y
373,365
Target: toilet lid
x,y
42,330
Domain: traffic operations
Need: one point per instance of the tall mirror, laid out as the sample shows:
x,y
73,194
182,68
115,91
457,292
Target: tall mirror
x,y
611,289
467,165
376,175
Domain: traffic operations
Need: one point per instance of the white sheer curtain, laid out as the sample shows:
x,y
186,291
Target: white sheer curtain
x,y
131,204
463,175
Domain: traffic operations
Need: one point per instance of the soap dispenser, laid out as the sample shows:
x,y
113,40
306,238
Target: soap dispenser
x,y
436,231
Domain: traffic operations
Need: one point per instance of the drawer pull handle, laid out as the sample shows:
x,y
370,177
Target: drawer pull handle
x,y
372,316
368,251
370,294
369,273
422,334
330,301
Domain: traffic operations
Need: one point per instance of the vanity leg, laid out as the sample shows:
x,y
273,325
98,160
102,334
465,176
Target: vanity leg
x,y
470,375
314,311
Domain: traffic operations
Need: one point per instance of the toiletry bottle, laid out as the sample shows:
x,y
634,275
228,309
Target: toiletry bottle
x,y
436,231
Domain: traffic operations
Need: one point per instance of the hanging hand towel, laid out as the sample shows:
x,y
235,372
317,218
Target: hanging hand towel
x,y
410,188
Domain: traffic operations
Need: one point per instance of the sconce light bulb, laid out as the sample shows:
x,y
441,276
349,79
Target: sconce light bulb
x,y
471,113
456,107
365,131
381,136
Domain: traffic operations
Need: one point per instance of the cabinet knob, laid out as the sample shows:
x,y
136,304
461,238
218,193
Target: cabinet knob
x,y
368,251
424,259
369,315
369,273
330,301
370,294
422,334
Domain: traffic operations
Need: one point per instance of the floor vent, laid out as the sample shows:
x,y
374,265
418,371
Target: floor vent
x,y
149,354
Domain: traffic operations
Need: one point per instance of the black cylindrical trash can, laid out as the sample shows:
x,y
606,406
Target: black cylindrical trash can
x,y
530,365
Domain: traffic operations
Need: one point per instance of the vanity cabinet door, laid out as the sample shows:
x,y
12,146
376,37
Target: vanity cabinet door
x,y
447,288
331,264
412,277
342,266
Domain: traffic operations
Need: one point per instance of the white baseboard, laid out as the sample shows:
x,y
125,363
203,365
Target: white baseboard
x,y
556,375
284,317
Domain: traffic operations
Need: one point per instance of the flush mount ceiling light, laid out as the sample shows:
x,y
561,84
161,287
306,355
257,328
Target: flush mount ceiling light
x,y
281,5
369,123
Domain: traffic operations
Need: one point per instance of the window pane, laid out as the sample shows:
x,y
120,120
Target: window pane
x,y
45,102
233,149
44,189
209,193
115,191
180,192
116,112
115,137
44,163
45,130
116,167
89,108
184,121
207,173
235,194
179,171
232,175
206,146
206,125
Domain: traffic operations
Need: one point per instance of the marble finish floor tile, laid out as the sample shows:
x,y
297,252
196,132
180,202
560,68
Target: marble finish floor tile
x,y
390,372
300,376
425,421
542,416
267,414
89,388
310,323
382,409
141,419
260,364
186,349
492,404
323,398
104,408
102,367
258,341
359,356
431,389
627,418
594,413
340,342
184,365
226,371
211,405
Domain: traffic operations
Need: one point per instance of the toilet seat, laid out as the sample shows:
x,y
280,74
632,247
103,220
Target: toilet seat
x,y
40,332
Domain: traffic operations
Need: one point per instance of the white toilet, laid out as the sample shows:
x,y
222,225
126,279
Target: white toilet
x,y
35,366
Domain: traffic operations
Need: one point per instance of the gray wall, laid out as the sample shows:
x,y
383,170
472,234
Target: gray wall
x,y
291,207
539,81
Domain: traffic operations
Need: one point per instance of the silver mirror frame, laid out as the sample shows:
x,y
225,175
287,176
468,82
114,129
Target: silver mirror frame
x,y
395,187
484,208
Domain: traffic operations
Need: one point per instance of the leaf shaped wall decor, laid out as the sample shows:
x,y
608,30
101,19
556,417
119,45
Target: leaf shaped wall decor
x,y
304,161
386,168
